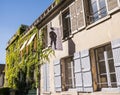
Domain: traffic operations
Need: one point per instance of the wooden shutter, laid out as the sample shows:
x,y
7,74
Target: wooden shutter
x,y
73,17
57,75
78,72
116,56
80,14
86,71
45,77
111,5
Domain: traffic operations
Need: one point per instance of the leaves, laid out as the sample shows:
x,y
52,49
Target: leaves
x,y
29,64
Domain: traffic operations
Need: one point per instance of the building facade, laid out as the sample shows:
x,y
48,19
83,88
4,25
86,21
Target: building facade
x,y
89,58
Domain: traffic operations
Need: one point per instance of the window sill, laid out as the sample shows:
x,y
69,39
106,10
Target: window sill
x,y
47,92
67,38
98,22
114,10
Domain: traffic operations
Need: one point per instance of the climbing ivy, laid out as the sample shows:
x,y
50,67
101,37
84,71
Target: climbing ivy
x,y
29,64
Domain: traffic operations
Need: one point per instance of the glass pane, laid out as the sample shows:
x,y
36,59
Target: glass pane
x,y
109,51
113,77
102,67
111,66
94,7
103,78
102,3
114,84
66,24
103,10
104,85
100,52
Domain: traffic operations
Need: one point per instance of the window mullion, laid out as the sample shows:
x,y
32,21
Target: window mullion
x,y
107,69
98,7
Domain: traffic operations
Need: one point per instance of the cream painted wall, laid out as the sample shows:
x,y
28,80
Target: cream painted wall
x,y
99,34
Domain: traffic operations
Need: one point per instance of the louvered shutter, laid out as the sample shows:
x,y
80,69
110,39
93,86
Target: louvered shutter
x,y
80,14
112,4
78,72
86,71
73,17
57,75
116,56
48,77
44,78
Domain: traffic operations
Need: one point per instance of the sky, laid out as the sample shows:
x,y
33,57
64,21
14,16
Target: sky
x,y
13,13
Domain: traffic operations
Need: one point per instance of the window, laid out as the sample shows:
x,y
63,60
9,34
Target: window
x,y
66,24
44,36
67,73
97,10
105,67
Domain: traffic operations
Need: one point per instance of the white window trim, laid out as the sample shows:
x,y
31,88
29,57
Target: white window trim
x,y
115,9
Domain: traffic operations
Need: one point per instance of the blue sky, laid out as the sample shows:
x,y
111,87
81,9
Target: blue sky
x,y
13,13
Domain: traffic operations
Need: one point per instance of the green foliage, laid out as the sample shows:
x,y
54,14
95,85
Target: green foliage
x,y
28,65
57,1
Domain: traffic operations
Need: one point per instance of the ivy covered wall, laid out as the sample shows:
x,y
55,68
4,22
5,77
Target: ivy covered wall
x,y
24,56
20,64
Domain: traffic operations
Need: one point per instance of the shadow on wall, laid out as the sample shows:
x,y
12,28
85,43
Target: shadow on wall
x,y
71,47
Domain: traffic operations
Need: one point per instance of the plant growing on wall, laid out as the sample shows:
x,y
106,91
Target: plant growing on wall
x,y
28,65
57,1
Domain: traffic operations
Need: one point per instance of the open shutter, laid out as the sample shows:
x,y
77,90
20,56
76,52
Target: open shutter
x,y
116,56
45,77
73,17
48,77
57,75
86,71
112,5
78,72
80,14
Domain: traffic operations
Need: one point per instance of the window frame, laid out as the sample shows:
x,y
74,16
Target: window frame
x,y
108,73
98,12
68,32
65,86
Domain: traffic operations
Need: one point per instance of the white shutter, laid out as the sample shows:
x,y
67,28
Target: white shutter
x,y
57,75
116,56
78,72
112,5
73,17
46,77
80,14
86,71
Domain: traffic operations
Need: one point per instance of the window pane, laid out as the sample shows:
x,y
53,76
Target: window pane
x,y
100,52
102,67
104,85
111,66
109,51
66,24
103,10
103,78
113,77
